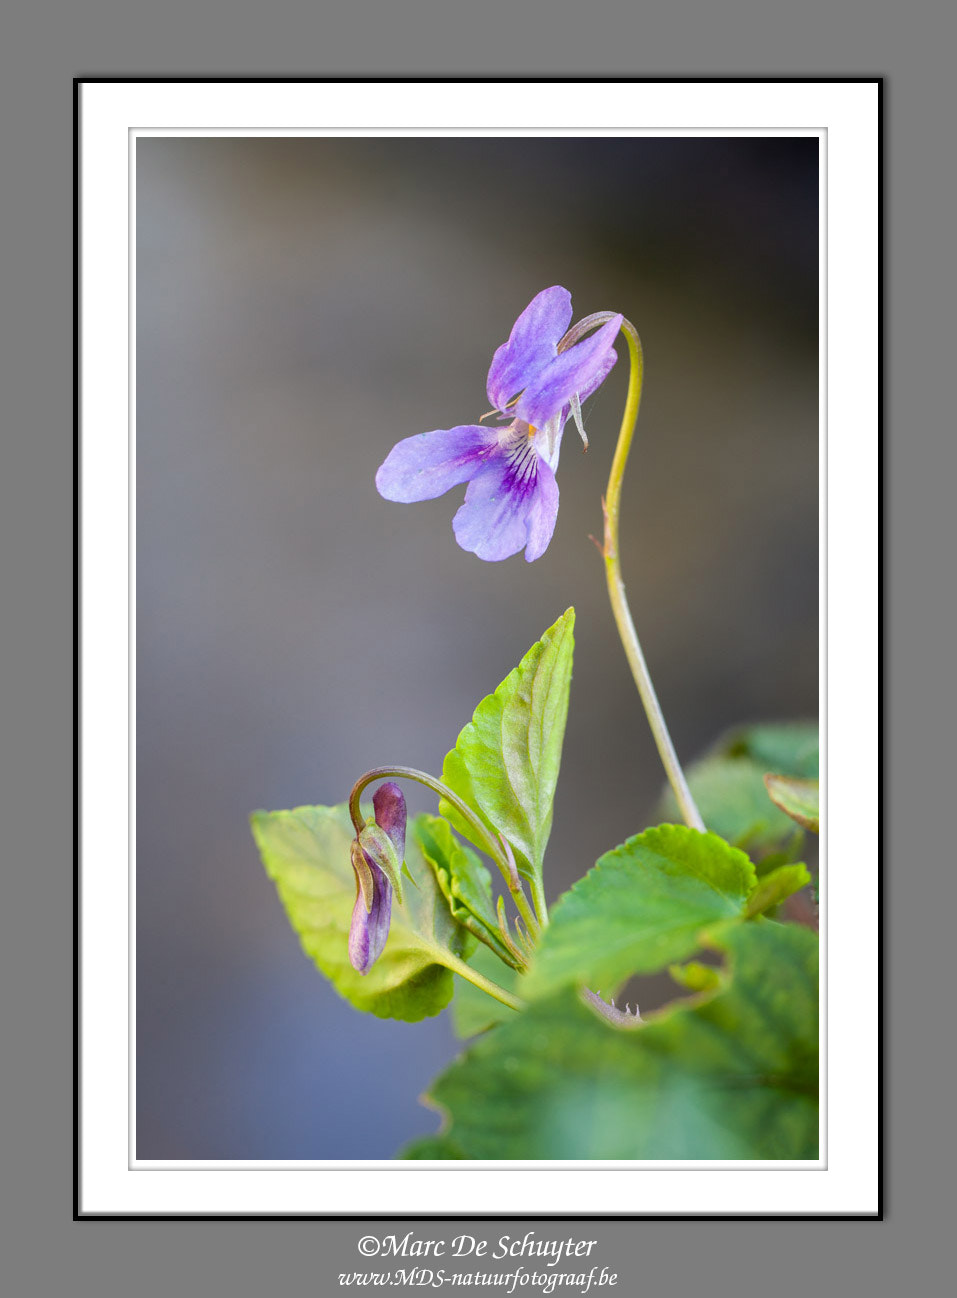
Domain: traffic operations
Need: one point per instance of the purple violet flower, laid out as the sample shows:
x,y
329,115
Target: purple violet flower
x,y
512,498
372,912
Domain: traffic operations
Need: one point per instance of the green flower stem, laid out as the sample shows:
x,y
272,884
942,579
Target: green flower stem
x,y
493,848
478,980
616,586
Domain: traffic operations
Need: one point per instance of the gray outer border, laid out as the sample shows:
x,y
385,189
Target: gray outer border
x,y
43,48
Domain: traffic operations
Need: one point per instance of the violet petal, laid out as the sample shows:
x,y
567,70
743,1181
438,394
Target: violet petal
x,y
531,345
428,464
581,369
369,930
542,513
511,504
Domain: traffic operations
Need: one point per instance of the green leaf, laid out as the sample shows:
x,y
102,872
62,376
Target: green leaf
x,y
733,802
696,977
791,747
788,854
642,906
473,1010
777,886
465,883
728,786
306,853
505,762
431,1148
732,1077
799,799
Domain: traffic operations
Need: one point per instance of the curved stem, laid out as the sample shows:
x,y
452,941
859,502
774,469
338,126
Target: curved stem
x,y
479,980
616,586
494,849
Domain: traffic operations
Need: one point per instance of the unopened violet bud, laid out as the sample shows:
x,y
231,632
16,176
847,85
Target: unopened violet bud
x,y
377,847
385,840
365,881
388,804
369,929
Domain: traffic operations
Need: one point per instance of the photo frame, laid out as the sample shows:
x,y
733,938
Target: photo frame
x,y
844,116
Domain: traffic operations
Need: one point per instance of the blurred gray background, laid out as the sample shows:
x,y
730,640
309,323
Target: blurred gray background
x,y
302,304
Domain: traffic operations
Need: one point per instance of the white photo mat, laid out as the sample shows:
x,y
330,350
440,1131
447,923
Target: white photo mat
x,y
845,119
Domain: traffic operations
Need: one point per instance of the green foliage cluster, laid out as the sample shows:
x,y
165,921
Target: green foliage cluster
x,y
728,1070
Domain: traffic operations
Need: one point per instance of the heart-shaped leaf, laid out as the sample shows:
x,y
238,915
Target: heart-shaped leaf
x,y
733,1076
505,761
642,907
